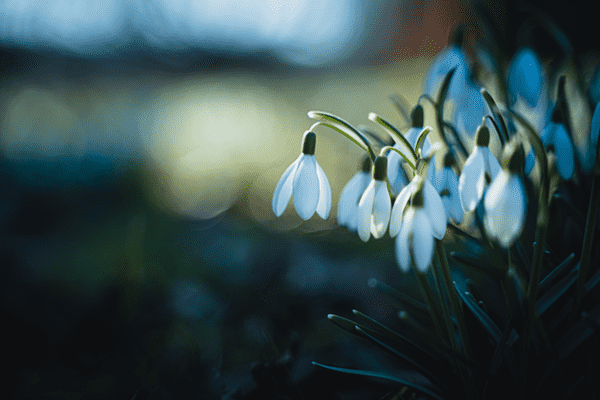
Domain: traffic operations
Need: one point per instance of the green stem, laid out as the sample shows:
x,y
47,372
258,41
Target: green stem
x,y
454,302
588,238
540,239
429,297
336,123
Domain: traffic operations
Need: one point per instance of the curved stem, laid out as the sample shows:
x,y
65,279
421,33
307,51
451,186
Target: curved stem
x,y
396,135
407,159
540,240
336,123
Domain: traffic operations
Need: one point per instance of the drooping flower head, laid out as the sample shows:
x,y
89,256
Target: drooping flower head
x,y
446,183
308,183
375,204
418,217
347,214
478,172
505,201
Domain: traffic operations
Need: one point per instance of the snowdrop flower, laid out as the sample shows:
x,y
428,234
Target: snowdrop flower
x,y
432,203
555,138
479,170
414,244
307,181
525,77
347,214
375,204
446,183
452,56
505,201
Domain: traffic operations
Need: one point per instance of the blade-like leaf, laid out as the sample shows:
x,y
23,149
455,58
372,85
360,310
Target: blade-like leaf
x,y
557,290
503,133
545,283
384,376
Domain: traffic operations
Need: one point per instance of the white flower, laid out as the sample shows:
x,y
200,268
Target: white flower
x,y
395,172
433,205
415,241
555,137
375,204
479,170
347,214
525,77
505,208
446,183
374,210
307,181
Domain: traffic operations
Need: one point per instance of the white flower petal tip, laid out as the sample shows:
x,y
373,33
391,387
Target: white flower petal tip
x,y
479,170
374,211
308,184
505,206
415,242
446,184
347,214
434,207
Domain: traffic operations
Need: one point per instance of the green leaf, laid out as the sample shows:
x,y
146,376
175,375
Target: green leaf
x,y
503,132
384,376
557,290
580,332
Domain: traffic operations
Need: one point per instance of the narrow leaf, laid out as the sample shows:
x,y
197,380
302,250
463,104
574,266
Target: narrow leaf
x,y
398,137
384,376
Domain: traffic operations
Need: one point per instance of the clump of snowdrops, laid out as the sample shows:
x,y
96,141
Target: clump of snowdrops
x,y
501,243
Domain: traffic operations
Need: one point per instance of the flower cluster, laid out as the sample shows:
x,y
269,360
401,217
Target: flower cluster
x,y
547,160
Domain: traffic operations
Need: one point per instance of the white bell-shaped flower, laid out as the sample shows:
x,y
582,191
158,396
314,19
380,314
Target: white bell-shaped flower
x,y
452,56
479,170
416,239
347,214
306,180
432,201
525,77
505,200
555,137
375,205
446,184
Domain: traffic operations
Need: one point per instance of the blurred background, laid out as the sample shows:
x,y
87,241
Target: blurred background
x,y
140,144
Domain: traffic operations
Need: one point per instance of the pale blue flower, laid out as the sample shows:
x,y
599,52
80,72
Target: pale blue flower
x,y
504,205
555,137
374,210
479,170
446,183
525,77
415,241
308,183
347,214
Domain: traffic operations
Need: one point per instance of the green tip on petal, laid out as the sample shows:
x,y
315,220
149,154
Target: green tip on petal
x,y
309,143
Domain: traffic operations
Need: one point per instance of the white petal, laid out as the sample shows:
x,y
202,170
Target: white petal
x,y
525,77
324,204
402,247
492,166
472,181
398,209
382,207
348,204
283,190
505,208
422,241
563,148
435,210
365,208
306,187
454,208
440,180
